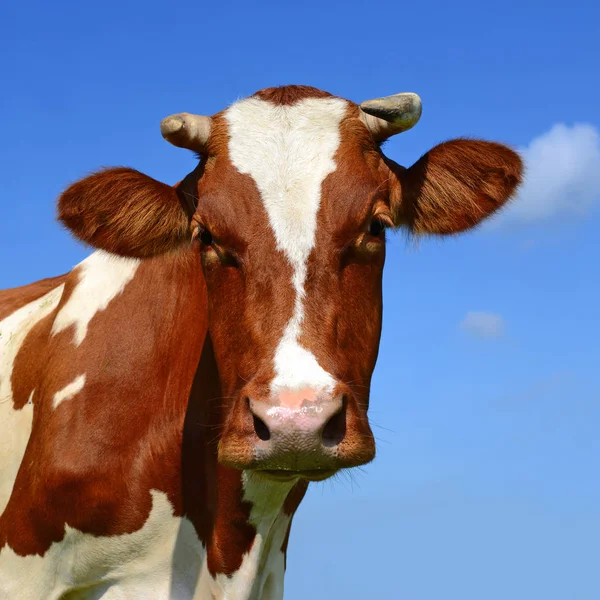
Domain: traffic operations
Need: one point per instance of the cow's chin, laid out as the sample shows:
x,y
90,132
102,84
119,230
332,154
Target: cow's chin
x,y
284,476
297,465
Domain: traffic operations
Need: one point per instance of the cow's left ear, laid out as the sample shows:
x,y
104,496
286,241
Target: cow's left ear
x,y
125,212
454,186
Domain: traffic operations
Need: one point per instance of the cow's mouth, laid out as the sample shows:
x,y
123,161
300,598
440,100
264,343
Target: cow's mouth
x,y
310,475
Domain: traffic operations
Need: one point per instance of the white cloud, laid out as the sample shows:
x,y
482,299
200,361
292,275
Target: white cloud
x,y
483,324
562,174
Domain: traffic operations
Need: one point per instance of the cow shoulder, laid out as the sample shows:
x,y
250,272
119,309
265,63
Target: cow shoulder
x,y
108,414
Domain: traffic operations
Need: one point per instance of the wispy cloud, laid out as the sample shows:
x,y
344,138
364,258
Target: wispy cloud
x,y
483,324
562,174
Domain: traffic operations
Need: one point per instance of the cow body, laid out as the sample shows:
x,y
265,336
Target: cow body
x,y
164,405
98,510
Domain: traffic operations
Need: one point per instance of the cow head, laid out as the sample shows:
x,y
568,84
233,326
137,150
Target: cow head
x,y
289,208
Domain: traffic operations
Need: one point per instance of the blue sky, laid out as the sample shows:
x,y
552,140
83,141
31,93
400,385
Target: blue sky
x,y
487,392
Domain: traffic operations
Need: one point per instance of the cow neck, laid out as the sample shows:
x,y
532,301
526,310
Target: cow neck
x,y
242,518
246,551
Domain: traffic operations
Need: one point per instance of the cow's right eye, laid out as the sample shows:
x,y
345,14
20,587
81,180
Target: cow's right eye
x,y
205,236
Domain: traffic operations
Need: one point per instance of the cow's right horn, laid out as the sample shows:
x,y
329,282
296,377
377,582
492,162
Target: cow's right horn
x,y
187,131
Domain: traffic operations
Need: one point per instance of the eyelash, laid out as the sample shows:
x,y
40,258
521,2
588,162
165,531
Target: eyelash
x,y
225,256
205,236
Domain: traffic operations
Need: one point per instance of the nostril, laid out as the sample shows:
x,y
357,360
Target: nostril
x,y
262,431
335,429
260,427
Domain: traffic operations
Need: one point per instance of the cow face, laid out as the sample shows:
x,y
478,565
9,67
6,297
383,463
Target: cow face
x,y
288,209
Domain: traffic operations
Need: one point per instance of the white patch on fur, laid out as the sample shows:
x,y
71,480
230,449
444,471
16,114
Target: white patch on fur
x,y
102,277
288,151
260,576
15,425
69,390
161,560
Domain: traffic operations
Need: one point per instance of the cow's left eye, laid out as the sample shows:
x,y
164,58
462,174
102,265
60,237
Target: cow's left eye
x,y
376,227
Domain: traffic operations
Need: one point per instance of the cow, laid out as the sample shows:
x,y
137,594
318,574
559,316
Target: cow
x,y
164,406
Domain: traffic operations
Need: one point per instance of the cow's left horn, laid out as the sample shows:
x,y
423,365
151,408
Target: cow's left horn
x,y
187,131
387,116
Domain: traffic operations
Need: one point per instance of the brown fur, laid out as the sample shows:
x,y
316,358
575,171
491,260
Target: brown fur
x,y
123,211
454,186
286,95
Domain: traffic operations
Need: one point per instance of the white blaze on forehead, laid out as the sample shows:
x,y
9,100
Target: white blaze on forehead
x,y
102,276
288,151
15,425
69,390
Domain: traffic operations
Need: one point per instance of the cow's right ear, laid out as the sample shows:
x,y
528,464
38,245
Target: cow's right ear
x,y
125,212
